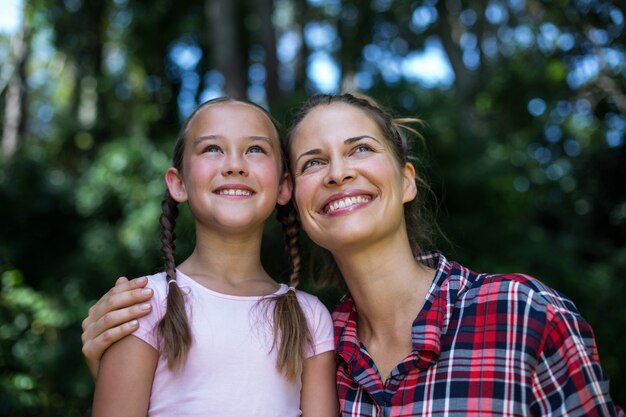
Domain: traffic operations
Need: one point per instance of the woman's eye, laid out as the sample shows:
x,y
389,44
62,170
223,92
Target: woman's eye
x,y
310,163
363,148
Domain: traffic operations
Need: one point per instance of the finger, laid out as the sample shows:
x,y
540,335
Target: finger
x,y
121,280
115,318
123,284
121,296
93,348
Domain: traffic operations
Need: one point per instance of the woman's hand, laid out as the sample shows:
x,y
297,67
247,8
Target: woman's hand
x,y
114,317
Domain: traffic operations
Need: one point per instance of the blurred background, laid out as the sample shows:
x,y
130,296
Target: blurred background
x,y
525,110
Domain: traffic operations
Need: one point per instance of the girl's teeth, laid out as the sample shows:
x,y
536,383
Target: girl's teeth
x,y
235,192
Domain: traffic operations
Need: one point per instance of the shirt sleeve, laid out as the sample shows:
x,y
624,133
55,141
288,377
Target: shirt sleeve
x,y
147,330
569,379
320,326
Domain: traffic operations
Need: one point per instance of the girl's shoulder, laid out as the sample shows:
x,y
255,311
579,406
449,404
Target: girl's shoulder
x,y
311,304
158,283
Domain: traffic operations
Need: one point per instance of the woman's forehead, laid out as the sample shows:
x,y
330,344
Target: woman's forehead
x,y
339,120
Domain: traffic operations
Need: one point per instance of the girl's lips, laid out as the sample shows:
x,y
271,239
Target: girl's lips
x,y
344,202
234,190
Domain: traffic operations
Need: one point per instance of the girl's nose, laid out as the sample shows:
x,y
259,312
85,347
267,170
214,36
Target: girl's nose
x,y
235,165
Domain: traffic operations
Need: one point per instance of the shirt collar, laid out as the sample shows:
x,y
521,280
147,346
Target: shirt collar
x,y
429,325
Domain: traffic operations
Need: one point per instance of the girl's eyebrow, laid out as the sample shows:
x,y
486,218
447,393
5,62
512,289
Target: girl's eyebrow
x,y
348,141
262,139
201,139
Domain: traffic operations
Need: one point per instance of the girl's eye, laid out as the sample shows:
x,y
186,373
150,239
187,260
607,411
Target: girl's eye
x,y
256,149
211,149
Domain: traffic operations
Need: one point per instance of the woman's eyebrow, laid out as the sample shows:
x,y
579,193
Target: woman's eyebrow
x,y
310,152
358,138
348,141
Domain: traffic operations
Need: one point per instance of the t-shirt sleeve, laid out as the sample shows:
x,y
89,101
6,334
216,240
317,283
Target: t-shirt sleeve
x,y
147,330
320,326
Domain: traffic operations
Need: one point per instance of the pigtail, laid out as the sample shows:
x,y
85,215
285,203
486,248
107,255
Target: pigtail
x,y
174,330
291,330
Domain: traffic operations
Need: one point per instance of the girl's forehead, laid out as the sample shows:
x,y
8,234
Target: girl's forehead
x,y
232,118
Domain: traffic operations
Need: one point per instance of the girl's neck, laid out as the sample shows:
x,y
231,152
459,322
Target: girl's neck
x,y
229,263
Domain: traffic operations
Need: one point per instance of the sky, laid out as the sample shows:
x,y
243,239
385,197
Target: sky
x,y
9,15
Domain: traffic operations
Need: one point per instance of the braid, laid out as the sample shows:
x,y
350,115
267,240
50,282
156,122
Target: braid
x,y
287,217
290,323
174,327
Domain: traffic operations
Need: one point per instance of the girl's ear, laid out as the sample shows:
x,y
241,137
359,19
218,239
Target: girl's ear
x,y
285,188
175,185
410,188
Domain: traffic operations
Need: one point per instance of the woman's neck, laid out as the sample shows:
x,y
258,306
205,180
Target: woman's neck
x,y
387,283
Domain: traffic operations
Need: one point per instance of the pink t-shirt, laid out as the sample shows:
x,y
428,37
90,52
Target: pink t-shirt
x,y
230,368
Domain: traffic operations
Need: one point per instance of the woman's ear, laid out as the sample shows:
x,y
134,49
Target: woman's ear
x,y
285,189
410,188
176,185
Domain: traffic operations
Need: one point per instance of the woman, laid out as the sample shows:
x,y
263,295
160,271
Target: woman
x,y
416,334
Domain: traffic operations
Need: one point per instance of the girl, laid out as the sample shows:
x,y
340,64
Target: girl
x,y
222,337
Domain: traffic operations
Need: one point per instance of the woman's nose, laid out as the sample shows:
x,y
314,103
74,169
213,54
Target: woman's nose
x,y
339,172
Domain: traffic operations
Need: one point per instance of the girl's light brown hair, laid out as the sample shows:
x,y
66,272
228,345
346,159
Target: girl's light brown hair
x,y
418,216
290,328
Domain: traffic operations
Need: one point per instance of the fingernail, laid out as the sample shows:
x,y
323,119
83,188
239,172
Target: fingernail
x,y
133,323
141,280
146,291
145,307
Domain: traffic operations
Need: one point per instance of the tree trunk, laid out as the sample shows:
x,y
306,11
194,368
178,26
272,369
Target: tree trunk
x,y
302,16
222,21
15,102
264,8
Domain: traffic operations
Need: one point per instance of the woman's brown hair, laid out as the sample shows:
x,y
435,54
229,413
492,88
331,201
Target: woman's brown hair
x,y
290,328
418,215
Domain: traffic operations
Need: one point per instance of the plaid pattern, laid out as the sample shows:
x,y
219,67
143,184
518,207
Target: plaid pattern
x,y
483,345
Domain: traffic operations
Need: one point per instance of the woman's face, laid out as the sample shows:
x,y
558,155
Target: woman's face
x,y
349,189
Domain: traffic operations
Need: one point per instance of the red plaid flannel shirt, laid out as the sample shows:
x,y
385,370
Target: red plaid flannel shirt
x,y
483,345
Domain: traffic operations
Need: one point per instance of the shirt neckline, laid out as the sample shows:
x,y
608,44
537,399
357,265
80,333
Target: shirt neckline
x,y
193,283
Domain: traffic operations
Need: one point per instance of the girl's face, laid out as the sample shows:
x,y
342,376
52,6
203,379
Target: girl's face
x,y
232,174
348,187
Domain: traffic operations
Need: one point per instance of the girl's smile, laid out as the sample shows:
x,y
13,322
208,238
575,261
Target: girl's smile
x,y
231,175
234,190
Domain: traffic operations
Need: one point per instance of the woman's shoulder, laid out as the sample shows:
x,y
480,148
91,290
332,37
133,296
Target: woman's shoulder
x,y
523,288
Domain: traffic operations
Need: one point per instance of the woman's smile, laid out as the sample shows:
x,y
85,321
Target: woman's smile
x,y
343,168
346,202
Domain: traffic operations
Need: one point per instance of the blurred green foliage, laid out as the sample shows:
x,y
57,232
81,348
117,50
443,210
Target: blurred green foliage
x,y
524,128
